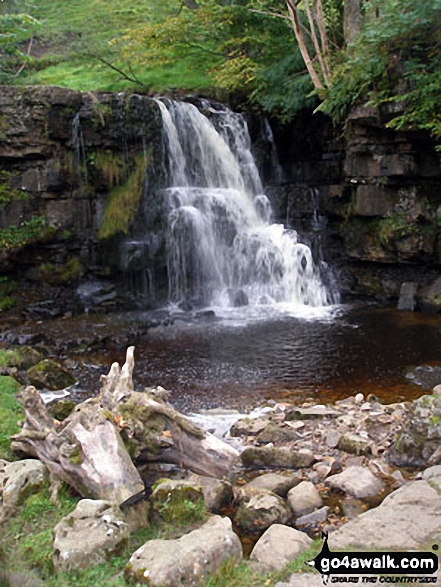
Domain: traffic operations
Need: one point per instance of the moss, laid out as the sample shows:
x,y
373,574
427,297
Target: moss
x,y
69,272
112,166
76,456
62,409
37,229
7,192
7,301
123,203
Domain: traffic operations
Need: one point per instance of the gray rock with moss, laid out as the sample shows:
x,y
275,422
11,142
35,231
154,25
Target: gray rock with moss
x,y
177,502
277,457
187,560
217,492
18,480
278,546
259,509
278,483
418,444
48,374
94,530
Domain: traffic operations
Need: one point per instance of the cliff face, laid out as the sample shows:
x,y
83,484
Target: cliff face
x,y
63,157
379,192
80,179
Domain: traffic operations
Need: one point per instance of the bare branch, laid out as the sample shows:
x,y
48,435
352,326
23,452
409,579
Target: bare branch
x,y
315,42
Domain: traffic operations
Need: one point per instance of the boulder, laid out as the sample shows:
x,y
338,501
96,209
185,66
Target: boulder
x,y
277,457
430,297
310,521
278,483
417,444
170,500
187,560
277,433
356,481
217,493
260,509
407,519
304,499
48,374
407,299
313,413
354,444
249,426
18,480
278,546
95,529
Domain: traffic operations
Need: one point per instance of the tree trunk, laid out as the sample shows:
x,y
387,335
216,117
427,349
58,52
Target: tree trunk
x,y
352,20
88,449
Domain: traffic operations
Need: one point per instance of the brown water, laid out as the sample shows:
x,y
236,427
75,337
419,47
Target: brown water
x,y
218,364
366,350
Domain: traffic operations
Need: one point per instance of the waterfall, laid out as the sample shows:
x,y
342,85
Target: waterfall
x,y
223,249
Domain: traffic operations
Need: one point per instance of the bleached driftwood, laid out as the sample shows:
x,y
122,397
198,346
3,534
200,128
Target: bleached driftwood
x,y
90,449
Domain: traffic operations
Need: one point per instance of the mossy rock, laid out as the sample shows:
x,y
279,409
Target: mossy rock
x,y
60,410
48,374
178,502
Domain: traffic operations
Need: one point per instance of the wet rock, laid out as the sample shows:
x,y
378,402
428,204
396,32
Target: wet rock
x,y
187,560
217,493
354,444
278,546
352,507
18,480
48,374
407,299
278,483
356,481
249,426
310,521
260,510
430,297
304,499
277,434
418,442
313,413
277,457
407,519
94,530
238,298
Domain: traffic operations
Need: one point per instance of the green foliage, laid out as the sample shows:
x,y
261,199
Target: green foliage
x,y
10,411
69,272
30,231
7,192
6,288
395,61
123,203
15,27
394,228
180,511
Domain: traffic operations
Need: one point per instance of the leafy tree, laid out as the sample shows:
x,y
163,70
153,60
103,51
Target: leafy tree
x,y
15,28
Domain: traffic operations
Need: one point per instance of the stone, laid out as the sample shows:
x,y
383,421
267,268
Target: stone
x,y
94,530
332,439
278,546
356,481
249,426
187,560
169,495
407,519
354,444
407,300
430,473
417,443
313,519
217,493
277,457
372,200
277,433
304,499
278,483
314,413
20,479
430,297
260,509
48,374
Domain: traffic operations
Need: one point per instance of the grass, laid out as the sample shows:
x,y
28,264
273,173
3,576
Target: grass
x,y
71,35
10,412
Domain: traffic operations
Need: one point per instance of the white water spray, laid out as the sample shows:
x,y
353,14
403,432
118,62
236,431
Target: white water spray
x,y
222,248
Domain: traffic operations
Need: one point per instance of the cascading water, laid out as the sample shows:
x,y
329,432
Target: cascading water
x,y
223,249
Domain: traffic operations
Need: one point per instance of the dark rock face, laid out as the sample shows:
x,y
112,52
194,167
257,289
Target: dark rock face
x,y
372,195
62,154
